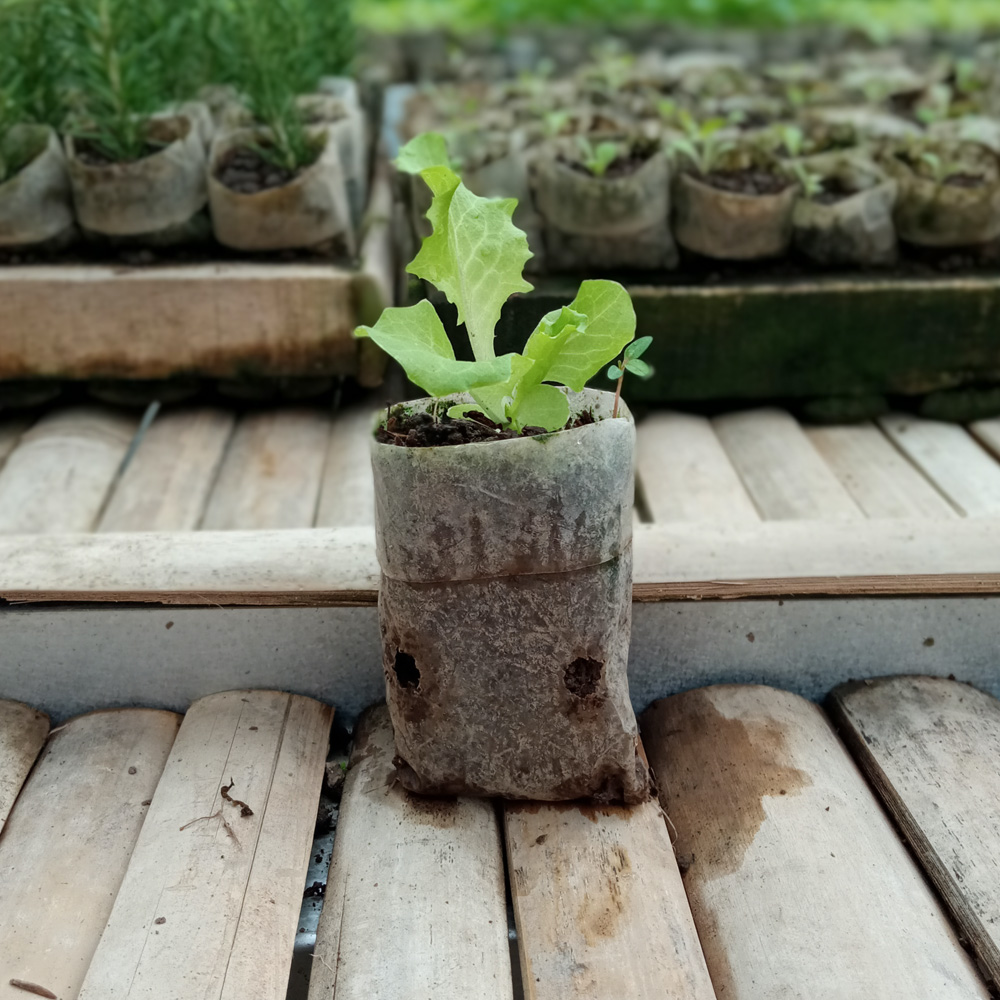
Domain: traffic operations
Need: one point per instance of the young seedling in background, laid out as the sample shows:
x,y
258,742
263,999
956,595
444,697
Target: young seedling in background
x,y
475,256
597,158
810,182
702,144
630,361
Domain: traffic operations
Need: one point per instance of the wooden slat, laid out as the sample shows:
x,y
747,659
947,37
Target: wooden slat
x,y
600,906
22,736
11,430
347,497
211,897
337,566
948,455
987,433
85,321
415,899
781,470
58,477
798,883
881,481
685,474
167,482
930,747
68,843
270,477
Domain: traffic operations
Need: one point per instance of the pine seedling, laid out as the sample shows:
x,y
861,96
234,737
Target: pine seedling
x,y
117,72
630,361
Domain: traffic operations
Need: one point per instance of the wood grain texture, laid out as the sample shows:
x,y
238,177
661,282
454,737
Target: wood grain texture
x,y
930,747
882,482
781,470
337,566
58,477
209,890
987,433
68,843
600,907
347,497
271,475
415,901
952,459
798,883
22,736
685,474
168,481
11,430
218,320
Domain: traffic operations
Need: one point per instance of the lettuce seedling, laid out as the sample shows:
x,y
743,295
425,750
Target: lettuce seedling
x,y
475,255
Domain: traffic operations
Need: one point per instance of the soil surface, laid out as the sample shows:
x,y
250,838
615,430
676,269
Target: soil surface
x,y
421,430
93,154
246,171
833,191
751,181
622,166
965,180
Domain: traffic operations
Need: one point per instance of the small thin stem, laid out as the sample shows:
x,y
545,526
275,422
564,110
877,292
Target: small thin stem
x,y
618,393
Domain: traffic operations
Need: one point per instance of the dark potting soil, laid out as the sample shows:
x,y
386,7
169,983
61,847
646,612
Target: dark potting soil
x,y
750,181
833,191
247,171
94,155
965,180
421,430
622,166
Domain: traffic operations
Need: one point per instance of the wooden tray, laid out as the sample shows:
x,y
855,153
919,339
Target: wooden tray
x,y
224,320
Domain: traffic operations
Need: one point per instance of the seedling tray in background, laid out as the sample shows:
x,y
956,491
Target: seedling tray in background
x,y
801,339
206,320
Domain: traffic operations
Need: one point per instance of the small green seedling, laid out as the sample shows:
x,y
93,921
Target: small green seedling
x,y
939,168
597,158
630,361
702,144
793,139
475,255
555,121
810,182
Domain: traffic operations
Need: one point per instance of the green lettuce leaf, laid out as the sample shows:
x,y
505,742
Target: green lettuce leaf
x,y
415,337
475,254
609,326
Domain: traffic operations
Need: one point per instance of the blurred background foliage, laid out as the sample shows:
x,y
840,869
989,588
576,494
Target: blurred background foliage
x,y
878,18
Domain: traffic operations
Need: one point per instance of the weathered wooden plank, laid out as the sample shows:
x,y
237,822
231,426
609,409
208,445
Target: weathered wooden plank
x,y
167,482
337,566
219,320
987,432
881,481
271,475
58,477
415,901
685,474
781,470
930,747
825,336
600,906
347,497
11,430
948,455
200,885
22,736
798,883
65,850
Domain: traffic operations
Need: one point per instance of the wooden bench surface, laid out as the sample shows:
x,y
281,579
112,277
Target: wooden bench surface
x,y
746,504
770,870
